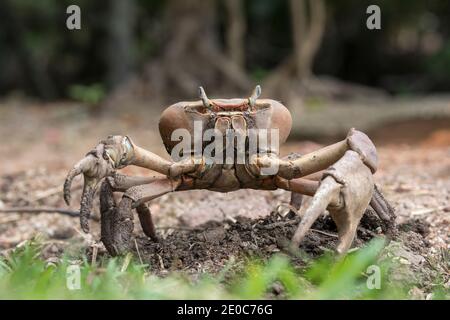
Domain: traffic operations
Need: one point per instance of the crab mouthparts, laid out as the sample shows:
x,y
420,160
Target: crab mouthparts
x,y
234,122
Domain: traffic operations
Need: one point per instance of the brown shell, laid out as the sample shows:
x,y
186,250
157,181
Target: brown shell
x,y
266,114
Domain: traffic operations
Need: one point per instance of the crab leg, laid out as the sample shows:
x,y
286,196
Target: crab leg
x,y
109,211
122,183
144,193
299,185
114,153
323,158
117,220
86,204
145,217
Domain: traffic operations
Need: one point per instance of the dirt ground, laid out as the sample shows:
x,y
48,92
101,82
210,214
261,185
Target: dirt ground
x,y
201,230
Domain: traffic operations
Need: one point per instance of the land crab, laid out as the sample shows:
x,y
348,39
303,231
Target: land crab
x,y
338,177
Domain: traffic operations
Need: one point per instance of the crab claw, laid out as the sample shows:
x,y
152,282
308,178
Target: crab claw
x,y
108,155
346,191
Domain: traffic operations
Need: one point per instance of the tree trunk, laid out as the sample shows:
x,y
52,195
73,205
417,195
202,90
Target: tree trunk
x,y
34,71
192,55
235,33
307,33
291,77
119,48
299,35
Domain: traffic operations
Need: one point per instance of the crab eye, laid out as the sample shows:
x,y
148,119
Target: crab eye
x,y
126,142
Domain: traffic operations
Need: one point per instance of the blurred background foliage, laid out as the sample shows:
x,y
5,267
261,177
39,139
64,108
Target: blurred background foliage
x,y
169,47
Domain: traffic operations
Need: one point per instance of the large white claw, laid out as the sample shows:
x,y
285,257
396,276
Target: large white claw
x,y
345,190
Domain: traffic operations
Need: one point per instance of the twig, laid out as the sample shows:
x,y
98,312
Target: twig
x,y
94,254
181,228
292,222
325,233
137,250
9,220
370,232
420,212
51,192
66,212
161,262
126,262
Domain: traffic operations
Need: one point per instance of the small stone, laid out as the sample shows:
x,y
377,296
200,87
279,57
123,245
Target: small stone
x,y
277,288
404,261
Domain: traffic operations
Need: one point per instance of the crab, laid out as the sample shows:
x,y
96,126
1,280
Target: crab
x,y
338,177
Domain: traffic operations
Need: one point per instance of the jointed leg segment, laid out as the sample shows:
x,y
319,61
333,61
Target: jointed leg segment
x,y
117,219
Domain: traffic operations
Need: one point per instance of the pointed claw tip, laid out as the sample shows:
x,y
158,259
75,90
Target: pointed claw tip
x,y
84,223
67,200
66,193
85,228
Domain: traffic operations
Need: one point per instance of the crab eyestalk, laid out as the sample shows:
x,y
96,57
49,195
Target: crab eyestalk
x,y
255,95
204,98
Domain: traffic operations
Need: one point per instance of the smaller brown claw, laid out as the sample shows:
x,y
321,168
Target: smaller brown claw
x,y
97,164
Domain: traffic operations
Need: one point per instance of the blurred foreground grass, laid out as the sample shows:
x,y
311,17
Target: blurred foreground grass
x,y
24,275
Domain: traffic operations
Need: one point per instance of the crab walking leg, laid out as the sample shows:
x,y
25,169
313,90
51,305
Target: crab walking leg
x,y
108,211
86,204
144,193
298,186
316,176
145,218
121,182
117,220
296,200
108,206
384,211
